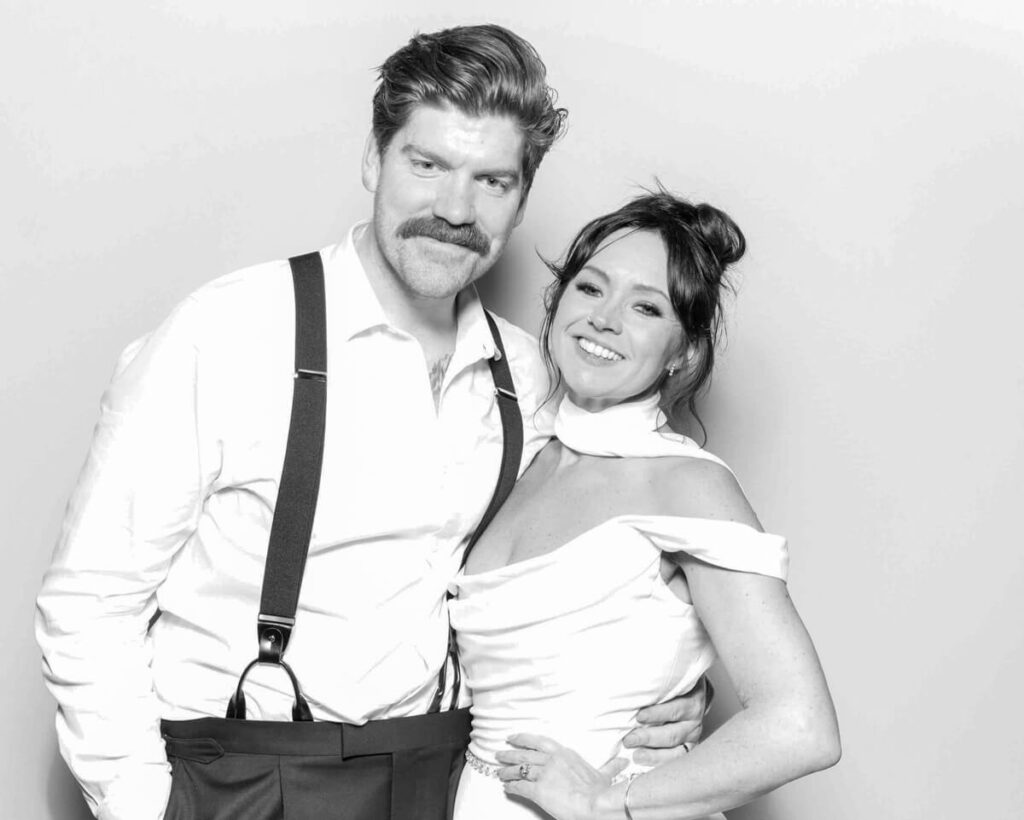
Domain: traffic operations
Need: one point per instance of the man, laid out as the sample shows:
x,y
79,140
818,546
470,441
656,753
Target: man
x,y
174,506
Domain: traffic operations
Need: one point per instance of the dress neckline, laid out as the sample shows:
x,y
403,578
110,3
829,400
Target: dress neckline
x,y
626,430
631,429
524,564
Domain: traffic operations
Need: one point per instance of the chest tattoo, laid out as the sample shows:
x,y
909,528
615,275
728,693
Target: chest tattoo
x,y
437,371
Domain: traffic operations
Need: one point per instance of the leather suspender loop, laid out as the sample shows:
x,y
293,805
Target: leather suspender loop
x,y
300,708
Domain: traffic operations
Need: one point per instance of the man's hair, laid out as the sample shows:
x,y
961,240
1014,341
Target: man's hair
x,y
479,70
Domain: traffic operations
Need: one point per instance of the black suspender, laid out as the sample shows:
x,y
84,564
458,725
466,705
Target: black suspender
x,y
297,492
300,477
511,429
511,455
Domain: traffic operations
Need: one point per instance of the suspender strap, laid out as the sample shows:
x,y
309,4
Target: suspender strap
x,y
300,476
508,472
297,493
511,429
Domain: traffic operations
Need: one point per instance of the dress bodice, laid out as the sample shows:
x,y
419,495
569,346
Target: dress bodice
x,y
572,643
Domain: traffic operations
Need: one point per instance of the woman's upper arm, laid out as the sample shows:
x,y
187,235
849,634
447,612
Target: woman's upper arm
x,y
750,618
757,633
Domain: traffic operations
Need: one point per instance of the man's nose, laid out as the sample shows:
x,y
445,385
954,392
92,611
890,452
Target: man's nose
x,y
454,203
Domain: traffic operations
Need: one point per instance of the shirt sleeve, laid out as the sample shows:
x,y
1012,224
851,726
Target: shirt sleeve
x,y
726,544
135,504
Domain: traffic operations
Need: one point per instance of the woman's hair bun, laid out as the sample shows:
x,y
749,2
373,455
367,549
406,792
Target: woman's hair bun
x,y
722,236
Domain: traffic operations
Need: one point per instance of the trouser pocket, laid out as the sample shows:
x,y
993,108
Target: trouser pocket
x,y
231,787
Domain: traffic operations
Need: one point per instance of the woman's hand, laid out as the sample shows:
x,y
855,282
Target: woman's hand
x,y
556,778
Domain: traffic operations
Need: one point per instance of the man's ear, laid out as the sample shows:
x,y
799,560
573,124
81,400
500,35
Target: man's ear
x,y
371,164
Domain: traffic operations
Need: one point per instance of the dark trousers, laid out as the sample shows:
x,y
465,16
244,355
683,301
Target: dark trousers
x,y
397,769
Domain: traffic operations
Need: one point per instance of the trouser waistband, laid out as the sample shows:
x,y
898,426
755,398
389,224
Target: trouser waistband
x,y
206,739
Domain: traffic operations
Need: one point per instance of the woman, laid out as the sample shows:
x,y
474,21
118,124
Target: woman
x,y
627,557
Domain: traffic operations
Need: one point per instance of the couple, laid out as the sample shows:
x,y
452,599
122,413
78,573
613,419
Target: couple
x,y
173,510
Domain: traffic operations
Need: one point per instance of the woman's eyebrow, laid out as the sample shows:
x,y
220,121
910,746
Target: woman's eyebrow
x,y
594,269
591,268
652,289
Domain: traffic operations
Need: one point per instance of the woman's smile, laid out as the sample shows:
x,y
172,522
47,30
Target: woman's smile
x,y
593,350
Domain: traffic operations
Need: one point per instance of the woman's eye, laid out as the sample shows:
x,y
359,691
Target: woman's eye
x,y
587,289
648,309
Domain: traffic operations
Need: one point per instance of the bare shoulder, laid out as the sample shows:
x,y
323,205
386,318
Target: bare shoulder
x,y
694,487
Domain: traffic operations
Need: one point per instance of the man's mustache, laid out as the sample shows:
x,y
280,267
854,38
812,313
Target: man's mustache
x,y
468,236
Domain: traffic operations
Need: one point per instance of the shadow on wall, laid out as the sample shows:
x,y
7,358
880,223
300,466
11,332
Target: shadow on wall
x,y
63,797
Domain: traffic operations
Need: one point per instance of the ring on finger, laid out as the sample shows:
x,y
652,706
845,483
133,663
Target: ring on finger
x,y
524,771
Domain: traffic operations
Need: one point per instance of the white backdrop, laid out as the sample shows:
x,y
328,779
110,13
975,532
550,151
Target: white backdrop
x,y
871,396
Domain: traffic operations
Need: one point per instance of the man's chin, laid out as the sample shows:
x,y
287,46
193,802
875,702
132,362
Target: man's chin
x,y
434,280
438,282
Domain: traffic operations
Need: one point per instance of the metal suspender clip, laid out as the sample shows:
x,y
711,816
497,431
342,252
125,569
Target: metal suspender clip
x,y
273,632
316,375
508,394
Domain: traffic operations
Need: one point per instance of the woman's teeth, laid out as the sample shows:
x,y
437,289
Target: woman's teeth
x,y
596,350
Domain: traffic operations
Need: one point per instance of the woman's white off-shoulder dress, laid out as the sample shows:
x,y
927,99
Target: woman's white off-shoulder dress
x,y
573,643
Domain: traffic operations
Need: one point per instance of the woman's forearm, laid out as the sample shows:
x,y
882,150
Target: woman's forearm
x,y
757,750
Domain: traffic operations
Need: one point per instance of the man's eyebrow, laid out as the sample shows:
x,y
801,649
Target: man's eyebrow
x,y
413,148
591,268
513,175
510,174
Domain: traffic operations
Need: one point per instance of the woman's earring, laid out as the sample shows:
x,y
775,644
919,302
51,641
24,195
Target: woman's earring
x,y
671,370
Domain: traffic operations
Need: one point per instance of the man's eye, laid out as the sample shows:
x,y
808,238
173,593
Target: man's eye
x,y
423,164
496,183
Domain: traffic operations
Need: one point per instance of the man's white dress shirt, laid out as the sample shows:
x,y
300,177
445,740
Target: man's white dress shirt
x,y
174,505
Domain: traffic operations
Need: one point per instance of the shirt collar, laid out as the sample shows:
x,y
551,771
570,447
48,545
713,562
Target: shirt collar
x,y
350,295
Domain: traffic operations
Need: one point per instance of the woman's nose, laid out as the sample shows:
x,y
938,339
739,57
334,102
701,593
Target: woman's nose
x,y
605,319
